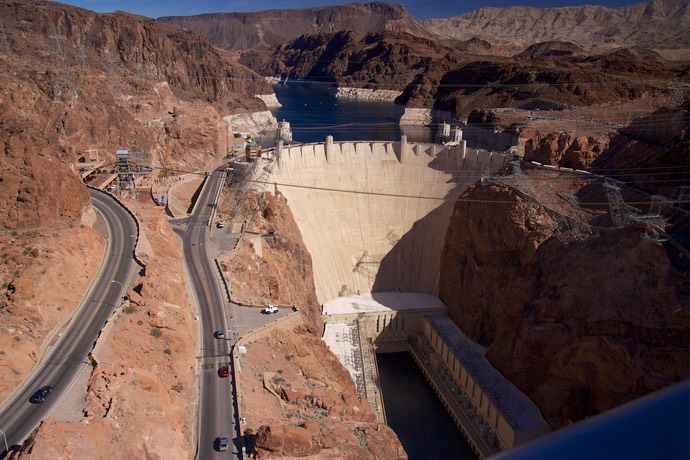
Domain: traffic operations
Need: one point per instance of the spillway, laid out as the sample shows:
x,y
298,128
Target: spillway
x,y
374,215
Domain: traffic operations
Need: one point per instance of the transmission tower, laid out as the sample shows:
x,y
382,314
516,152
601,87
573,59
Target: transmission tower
x,y
523,182
621,213
577,221
82,57
128,166
113,78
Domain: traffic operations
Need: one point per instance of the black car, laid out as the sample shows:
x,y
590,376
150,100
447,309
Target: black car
x,y
40,395
221,443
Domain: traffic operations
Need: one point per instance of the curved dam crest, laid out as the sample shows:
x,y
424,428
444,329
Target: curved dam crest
x,y
374,215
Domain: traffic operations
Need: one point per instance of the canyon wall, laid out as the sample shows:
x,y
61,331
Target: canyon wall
x,y
581,319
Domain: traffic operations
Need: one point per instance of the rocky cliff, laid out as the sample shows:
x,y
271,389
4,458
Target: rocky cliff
x,y
282,274
548,76
264,29
653,153
76,80
659,24
579,314
384,61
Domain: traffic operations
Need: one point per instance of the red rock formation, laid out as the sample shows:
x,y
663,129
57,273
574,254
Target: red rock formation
x,y
283,275
565,149
333,422
76,80
580,325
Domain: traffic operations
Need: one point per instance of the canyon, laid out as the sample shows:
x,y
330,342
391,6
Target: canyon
x,y
563,312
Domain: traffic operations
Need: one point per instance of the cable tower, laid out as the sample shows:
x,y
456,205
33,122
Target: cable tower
x,y
62,77
82,57
621,213
128,166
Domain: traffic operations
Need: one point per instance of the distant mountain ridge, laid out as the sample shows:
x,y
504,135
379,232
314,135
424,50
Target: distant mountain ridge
x,y
660,24
264,29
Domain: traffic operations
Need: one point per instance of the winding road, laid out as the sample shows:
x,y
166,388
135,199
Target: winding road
x,y
217,415
67,355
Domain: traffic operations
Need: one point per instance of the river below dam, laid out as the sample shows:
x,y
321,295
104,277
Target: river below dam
x,y
314,114
415,413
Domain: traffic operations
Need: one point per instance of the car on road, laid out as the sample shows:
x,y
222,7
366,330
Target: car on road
x,y
40,395
219,334
224,371
269,310
221,443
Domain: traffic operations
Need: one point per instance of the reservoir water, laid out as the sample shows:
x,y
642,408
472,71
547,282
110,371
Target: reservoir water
x,y
313,114
415,413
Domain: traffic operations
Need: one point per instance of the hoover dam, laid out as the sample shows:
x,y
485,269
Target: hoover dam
x,y
374,215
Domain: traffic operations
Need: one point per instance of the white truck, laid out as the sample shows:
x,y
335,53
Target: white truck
x,y
269,309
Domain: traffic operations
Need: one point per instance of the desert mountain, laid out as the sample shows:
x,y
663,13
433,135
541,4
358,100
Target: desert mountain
x,y
661,24
75,80
264,29
453,78
544,78
383,60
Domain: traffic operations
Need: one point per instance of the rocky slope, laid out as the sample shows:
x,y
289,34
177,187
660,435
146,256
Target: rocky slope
x,y
385,60
302,403
658,145
658,24
264,29
282,275
75,80
139,399
546,76
566,303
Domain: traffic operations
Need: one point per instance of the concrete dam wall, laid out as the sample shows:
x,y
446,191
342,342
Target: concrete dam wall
x,y
374,215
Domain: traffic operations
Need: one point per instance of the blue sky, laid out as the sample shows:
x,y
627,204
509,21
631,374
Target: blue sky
x,y
420,9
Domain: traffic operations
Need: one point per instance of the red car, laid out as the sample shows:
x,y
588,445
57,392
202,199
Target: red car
x,y
224,371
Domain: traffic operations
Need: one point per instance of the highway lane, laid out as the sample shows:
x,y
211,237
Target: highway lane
x,y
216,411
68,354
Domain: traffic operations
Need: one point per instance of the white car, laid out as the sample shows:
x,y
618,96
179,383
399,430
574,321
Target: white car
x,y
269,309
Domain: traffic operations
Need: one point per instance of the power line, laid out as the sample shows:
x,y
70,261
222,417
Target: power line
x,y
433,198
